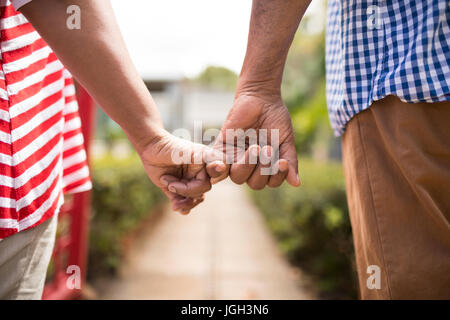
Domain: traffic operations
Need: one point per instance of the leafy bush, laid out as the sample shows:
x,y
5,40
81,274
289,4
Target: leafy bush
x,y
305,69
313,227
122,197
311,125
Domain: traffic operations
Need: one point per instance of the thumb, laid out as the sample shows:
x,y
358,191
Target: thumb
x,y
217,170
216,165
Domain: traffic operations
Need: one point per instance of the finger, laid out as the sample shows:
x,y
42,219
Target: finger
x,y
172,196
191,188
168,179
216,166
280,171
288,152
243,169
197,201
217,171
180,203
194,204
261,174
184,206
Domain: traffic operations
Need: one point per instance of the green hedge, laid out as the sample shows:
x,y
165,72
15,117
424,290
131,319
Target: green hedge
x,y
313,227
122,197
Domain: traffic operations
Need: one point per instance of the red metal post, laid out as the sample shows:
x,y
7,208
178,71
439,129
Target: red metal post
x,y
82,201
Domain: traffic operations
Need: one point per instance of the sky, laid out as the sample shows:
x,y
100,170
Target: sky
x,y
175,38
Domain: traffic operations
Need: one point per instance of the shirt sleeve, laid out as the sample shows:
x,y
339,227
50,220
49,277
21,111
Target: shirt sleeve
x,y
19,3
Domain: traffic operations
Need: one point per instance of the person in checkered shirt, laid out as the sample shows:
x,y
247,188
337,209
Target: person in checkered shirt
x,y
388,92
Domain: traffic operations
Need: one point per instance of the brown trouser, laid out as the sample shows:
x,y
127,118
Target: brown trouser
x,y
396,159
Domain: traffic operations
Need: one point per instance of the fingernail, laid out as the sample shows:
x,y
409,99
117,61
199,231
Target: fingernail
x,y
298,180
172,189
164,182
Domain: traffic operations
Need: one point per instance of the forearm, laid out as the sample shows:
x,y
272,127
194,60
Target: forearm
x,y
97,57
272,28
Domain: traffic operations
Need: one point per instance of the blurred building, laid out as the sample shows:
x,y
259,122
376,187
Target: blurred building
x,y
168,95
181,105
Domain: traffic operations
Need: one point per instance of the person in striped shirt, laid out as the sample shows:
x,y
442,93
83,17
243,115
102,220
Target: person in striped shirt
x,y
41,145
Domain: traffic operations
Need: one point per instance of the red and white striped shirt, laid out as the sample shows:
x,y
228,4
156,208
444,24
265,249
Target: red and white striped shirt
x,y
41,145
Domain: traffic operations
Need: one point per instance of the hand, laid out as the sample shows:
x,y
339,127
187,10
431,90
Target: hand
x,y
177,167
258,112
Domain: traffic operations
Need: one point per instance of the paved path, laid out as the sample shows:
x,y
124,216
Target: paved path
x,y
222,250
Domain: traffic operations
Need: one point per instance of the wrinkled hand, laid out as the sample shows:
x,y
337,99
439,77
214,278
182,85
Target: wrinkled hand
x,y
257,112
177,167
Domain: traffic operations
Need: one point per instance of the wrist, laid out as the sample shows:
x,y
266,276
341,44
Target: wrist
x,y
146,137
261,75
269,91
261,82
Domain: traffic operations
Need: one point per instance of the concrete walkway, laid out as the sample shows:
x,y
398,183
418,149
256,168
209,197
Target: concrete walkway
x,y
222,250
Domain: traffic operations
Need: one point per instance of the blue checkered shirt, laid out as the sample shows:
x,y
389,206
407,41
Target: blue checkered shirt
x,y
378,48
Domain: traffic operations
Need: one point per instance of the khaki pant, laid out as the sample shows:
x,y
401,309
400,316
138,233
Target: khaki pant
x,y
24,258
396,159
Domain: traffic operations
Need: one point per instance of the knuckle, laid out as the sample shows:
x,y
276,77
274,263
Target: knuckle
x,y
237,179
212,173
256,186
274,184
